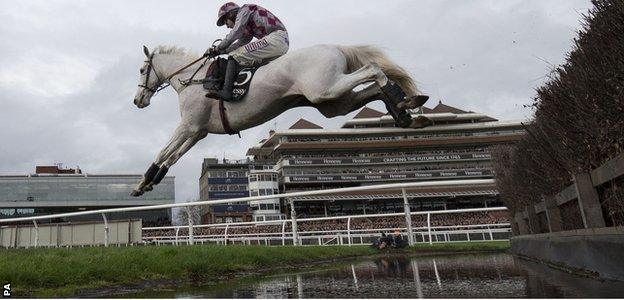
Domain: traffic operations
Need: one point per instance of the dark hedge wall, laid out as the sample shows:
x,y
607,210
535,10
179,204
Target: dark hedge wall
x,y
579,117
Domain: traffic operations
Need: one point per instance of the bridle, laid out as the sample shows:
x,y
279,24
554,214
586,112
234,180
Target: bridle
x,y
157,88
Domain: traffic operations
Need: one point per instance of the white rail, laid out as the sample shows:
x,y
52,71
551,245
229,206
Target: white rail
x,y
426,233
294,235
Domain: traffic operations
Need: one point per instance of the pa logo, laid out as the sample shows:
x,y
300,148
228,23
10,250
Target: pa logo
x,y
6,290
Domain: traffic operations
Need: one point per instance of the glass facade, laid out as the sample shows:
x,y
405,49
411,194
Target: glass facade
x,y
79,188
43,194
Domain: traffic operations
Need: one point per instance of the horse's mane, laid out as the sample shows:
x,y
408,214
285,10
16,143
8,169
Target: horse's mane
x,y
174,50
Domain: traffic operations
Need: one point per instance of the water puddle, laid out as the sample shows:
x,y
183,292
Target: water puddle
x,y
492,275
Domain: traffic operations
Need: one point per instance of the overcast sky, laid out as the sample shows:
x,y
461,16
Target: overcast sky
x,y
69,69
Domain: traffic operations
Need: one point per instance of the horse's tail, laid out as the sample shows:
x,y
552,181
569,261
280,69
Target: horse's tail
x,y
358,56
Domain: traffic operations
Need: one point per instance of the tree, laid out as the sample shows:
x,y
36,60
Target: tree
x,y
186,211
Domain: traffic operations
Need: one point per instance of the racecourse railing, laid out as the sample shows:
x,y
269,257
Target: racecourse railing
x,y
296,237
345,236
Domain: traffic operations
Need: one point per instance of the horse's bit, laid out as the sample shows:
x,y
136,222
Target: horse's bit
x,y
150,66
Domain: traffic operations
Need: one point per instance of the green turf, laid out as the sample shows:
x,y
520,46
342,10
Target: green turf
x,y
61,272
461,246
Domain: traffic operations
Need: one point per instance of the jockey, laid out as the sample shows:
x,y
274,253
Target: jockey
x,y
247,22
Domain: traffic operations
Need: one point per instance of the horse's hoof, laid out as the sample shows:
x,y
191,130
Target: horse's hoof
x,y
413,102
136,193
421,122
148,188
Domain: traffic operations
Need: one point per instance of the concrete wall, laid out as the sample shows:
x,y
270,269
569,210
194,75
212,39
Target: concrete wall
x,y
594,251
68,234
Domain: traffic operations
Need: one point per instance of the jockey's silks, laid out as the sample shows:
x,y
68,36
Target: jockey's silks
x,y
251,21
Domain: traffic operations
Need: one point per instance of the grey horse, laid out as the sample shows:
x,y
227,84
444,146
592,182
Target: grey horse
x,y
324,77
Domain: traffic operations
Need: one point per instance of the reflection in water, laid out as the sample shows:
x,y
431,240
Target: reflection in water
x,y
299,286
417,278
435,270
496,275
354,277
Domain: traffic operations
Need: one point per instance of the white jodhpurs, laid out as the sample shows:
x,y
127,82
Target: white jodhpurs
x,y
271,46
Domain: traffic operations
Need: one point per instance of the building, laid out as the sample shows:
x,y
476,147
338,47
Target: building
x,y
52,189
224,179
366,150
369,149
229,178
261,183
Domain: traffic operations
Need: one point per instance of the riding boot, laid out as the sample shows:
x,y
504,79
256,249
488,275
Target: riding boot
x,y
228,84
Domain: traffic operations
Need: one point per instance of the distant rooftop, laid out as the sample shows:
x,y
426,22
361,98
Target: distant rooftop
x,y
443,108
304,124
368,112
56,169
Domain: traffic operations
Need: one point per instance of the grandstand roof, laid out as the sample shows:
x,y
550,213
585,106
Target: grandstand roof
x,y
273,142
443,108
304,124
368,112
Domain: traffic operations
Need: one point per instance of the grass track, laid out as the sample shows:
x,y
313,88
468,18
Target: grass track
x,y
61,272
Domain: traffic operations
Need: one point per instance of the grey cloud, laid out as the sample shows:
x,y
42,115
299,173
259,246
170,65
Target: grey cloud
x,y
485,56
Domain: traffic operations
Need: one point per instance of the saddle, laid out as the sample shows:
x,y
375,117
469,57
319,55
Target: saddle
x,y
216,73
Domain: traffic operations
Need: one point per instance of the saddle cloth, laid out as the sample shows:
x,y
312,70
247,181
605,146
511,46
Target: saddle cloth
x,y
215,76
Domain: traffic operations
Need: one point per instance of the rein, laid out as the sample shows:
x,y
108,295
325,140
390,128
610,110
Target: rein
x,y
158,88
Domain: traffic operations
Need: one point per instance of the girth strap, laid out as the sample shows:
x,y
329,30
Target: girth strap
x,y
224,120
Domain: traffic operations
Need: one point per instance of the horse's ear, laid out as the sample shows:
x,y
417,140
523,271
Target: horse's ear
x,y
146,51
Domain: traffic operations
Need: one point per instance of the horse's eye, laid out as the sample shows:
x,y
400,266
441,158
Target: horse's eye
x,y
142,70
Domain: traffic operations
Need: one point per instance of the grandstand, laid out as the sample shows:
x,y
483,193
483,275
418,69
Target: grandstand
x,y
367,150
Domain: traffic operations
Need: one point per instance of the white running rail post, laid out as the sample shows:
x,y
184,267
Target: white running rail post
x,y
190,226
105,230
36,233
429,227
293,217
225,234
349,230
284,233
408,219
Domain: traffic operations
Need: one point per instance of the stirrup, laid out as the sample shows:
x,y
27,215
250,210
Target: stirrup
x,y
220,94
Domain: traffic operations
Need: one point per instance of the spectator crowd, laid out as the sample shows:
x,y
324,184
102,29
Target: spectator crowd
x,y
386,223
